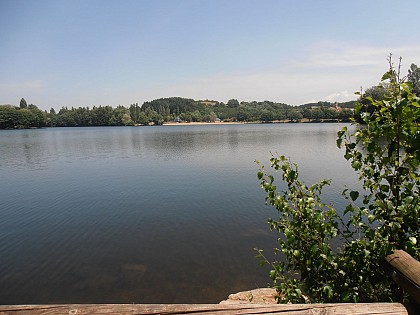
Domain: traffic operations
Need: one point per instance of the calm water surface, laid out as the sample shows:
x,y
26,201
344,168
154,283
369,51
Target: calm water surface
x,y
145,214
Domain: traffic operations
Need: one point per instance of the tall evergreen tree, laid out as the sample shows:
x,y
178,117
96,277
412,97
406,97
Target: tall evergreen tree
x,y
23,103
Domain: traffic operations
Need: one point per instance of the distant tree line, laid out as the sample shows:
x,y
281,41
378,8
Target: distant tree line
x,y
159,111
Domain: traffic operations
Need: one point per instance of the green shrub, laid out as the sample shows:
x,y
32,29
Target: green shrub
x,y
385,151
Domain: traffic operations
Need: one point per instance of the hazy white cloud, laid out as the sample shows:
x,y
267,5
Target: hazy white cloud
x,y
330,71
285,87
340,96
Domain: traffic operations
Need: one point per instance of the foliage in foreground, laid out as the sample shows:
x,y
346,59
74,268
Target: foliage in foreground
x,y
385,152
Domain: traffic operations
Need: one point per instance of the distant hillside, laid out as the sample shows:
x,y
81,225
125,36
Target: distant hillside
x,y
159,111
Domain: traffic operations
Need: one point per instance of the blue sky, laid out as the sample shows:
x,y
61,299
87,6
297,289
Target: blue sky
x,y
58,53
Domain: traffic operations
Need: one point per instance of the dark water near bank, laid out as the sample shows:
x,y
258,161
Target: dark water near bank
x,y
145,214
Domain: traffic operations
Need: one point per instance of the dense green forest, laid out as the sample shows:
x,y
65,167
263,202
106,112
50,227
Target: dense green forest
x,y
163,110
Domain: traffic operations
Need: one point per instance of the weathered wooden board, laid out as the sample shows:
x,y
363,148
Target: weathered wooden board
x,y
405,271
167,309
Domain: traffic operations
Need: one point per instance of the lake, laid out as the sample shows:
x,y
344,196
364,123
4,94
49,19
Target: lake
x,y
165,214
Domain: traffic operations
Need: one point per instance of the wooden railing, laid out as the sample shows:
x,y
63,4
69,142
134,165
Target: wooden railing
x,y
207,309
405,271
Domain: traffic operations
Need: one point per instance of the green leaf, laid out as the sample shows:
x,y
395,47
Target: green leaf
x,y
386,76
351,146
273,274
385,188
354,195
356,165
349,208
292,176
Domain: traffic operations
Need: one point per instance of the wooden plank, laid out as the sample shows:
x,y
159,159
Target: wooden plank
x,y
405,271
207,309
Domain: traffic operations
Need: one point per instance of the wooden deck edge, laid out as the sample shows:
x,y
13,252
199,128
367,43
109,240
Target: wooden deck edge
x,y
131,309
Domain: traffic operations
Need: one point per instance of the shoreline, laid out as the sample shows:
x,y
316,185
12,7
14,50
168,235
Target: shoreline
x,y
197,123
301,121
